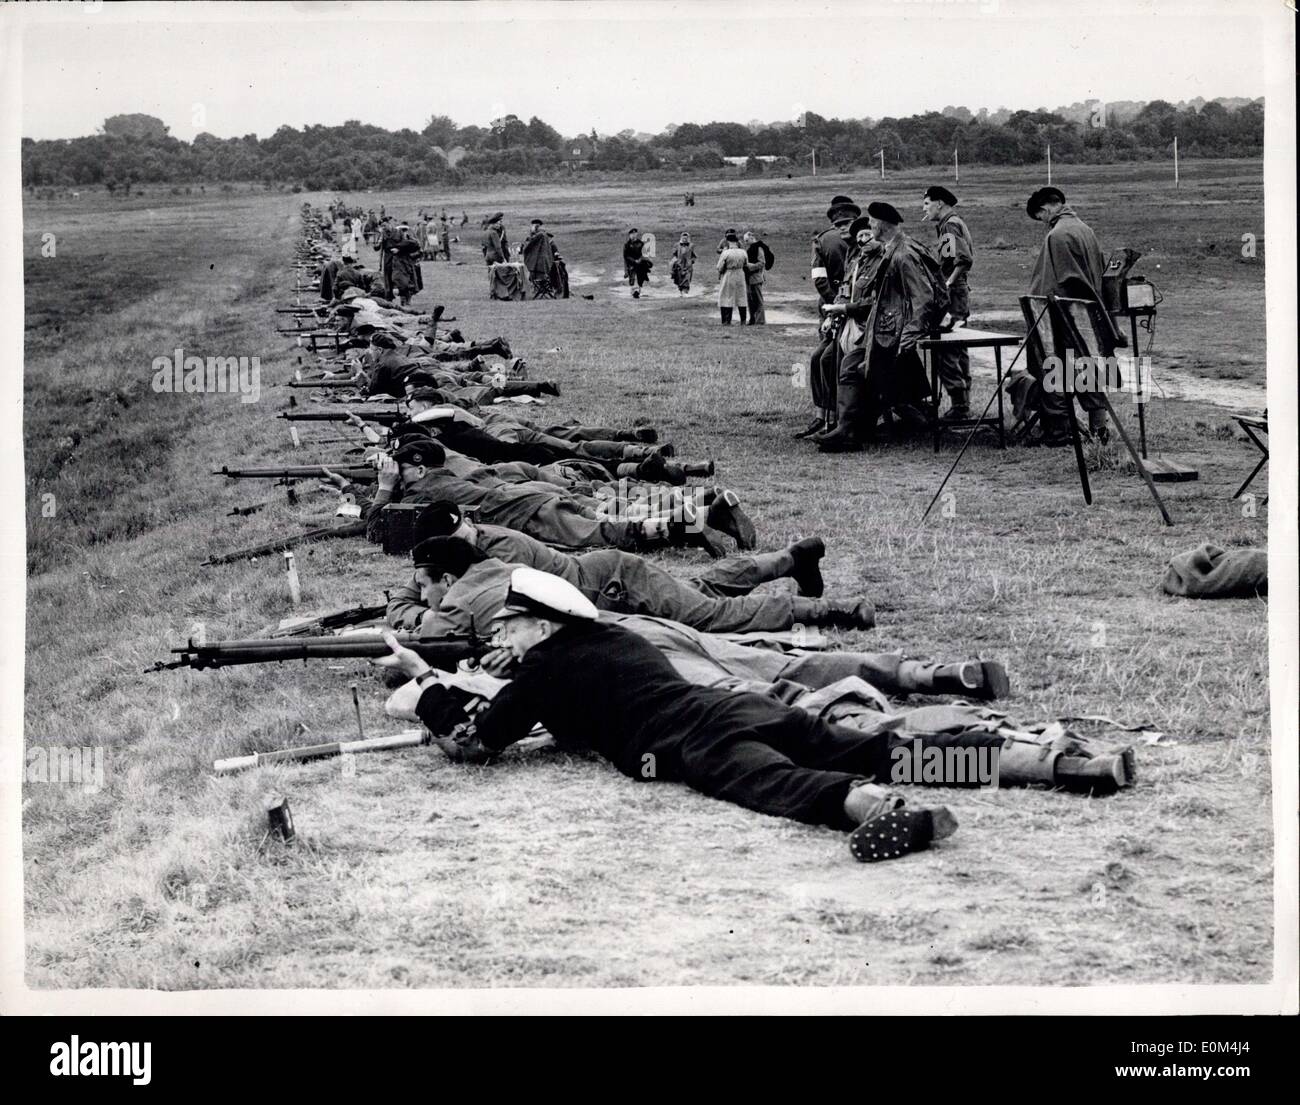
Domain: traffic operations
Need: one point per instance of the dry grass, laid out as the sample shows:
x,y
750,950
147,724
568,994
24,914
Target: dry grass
x,y
555,870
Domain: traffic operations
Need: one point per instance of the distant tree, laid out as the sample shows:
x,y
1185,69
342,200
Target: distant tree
x,y
542,134
134,126
441,130
753,167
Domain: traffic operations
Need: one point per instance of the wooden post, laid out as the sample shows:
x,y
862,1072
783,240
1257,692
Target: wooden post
x,y
814,161
956,167
882,162
1049,163
1175,161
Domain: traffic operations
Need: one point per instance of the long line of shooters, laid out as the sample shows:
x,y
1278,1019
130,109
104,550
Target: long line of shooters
x,y
531,603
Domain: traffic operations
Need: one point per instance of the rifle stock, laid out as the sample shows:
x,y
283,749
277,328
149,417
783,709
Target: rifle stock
x,y
353,615
351,529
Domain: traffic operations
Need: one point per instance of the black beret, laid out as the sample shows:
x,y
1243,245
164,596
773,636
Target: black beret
x,y
859,224
412,433
440,519
634,231
428,454
430,395
940,193
1042,196
885,212
422,379
538,222
453,555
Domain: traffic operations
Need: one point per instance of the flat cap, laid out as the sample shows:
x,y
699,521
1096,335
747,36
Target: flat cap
x,y
885,212
543,595
1042,196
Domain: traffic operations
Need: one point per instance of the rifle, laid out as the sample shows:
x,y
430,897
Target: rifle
x,y
439,652
353,615
325,384
350,529
354,472
385,416
407,738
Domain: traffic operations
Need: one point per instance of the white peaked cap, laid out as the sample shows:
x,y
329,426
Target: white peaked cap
x,y
545,596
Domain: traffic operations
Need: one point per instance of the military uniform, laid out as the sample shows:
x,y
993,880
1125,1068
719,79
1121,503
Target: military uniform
x,y
1070,264
956,255
539,510
598,686
718,602
830,254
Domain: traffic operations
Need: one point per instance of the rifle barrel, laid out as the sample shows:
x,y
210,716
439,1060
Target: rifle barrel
x,y
442,652
382,415
297,471
349,529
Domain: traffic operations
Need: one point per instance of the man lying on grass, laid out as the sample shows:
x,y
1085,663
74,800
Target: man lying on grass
x,y
454,575
595,685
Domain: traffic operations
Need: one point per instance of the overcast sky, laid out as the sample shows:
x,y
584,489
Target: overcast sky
x,y
234,69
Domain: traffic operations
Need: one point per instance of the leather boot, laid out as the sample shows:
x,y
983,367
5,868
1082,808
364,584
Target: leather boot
x,y
959,405
900,831
1055,432
979,679
806,571
726,514
848,436
836,613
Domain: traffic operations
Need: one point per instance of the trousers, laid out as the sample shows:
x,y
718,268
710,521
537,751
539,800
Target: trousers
x,y
778,760
630,585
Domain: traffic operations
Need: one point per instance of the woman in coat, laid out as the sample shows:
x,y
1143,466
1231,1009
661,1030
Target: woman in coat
x,y
683,263
733,288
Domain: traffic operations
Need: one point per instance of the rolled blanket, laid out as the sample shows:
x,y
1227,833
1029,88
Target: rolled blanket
x,y
1209,572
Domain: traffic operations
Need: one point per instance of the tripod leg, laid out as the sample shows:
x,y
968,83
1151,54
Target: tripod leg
x,y
1078,456
1263,461
957,460
1146,476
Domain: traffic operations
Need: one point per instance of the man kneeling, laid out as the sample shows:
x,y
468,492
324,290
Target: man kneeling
x,y
598,686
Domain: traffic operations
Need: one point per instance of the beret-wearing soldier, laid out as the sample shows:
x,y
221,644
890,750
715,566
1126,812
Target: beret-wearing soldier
x,y
956,256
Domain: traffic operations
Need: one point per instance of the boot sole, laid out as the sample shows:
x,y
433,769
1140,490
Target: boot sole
x,y
996,682
900,832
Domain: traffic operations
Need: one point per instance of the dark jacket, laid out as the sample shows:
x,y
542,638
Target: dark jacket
x,y
761,260
593,685
909,296
829,252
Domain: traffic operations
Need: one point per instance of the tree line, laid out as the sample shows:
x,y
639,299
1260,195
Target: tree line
x,y
137,148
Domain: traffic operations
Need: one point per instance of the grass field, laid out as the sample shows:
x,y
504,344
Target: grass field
x,y
551,869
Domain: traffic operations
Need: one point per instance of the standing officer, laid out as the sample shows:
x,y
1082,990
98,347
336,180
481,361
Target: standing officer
x,y
830,253
956,255
596,685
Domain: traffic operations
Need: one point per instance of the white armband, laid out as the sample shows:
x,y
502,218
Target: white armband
x,y
820,274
